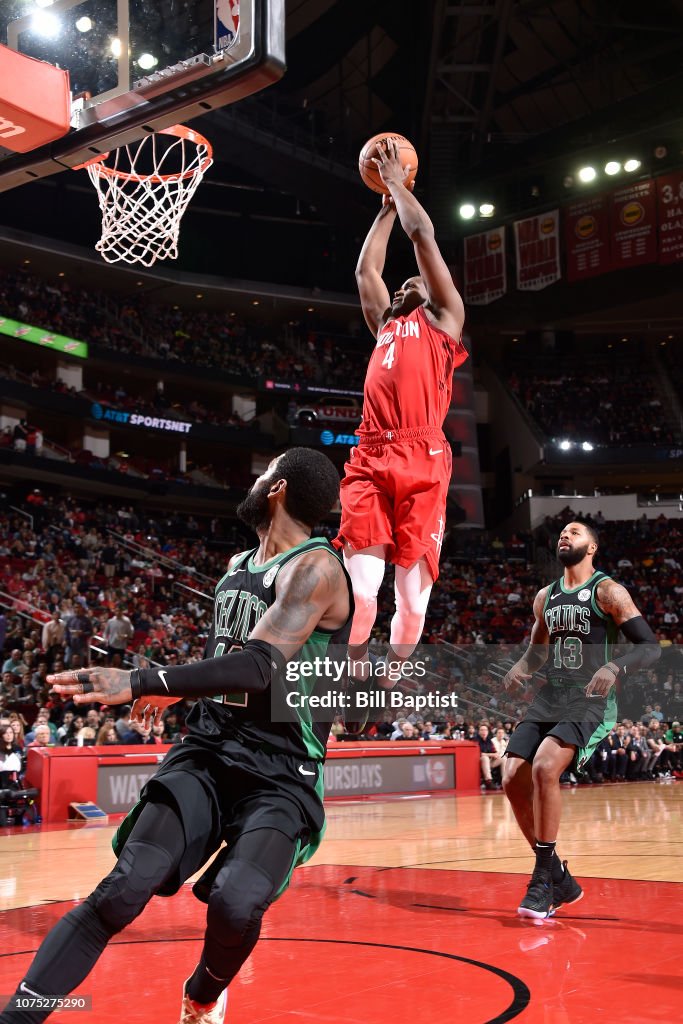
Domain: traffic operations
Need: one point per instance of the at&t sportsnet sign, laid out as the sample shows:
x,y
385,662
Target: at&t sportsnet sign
x,y
136,419
328,437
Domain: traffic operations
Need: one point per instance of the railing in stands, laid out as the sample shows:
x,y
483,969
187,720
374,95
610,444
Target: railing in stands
x,y
150,554
185,591
58,451
26,515
8,601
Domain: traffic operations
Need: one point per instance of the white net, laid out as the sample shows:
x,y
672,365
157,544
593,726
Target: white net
x,y
143,191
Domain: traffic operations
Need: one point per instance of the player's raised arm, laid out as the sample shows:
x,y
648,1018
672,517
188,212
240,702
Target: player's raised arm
x,y
536,654
374,294
444,300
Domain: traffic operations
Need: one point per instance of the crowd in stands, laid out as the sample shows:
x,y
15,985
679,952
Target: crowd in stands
x,y
118,397
605,395
600,393
93,583
297,351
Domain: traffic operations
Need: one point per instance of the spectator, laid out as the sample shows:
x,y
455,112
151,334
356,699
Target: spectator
x,y
124,727
408,732
71,736
488,757
118,633
42,737
63,730
79,632
10,752
15,663
52,640
107,736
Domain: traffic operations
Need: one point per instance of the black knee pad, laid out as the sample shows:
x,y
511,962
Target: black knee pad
x,y
124,894
239,897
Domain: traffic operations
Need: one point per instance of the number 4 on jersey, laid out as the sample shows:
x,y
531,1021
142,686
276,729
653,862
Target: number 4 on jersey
x,y
388,360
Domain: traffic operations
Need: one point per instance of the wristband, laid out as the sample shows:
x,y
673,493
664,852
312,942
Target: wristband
x,y
611,667
135,684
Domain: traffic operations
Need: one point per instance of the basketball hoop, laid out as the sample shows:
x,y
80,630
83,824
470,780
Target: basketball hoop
x,y
141,206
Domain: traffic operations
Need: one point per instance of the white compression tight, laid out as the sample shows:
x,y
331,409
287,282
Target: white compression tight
x,y
412,589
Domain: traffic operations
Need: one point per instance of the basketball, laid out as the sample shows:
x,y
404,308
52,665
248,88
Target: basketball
x,y
368,170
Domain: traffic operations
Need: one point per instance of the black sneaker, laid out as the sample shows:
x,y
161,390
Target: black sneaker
x,y
538,901
567,891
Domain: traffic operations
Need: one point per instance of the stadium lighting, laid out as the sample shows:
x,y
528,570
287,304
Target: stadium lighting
x,y
487,209
587,174
467,211
46,25
612,167
587,446
565,445
84,24
631,165
147,61
115,47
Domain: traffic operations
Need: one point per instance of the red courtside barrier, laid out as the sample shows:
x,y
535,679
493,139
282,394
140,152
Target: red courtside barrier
x,y
112,777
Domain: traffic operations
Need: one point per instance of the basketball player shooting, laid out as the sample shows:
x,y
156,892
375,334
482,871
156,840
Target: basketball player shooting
x,y
393,494
576,621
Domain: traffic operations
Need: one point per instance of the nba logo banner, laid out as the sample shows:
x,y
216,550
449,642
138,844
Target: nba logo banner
x,y
227,23
537,244
485,279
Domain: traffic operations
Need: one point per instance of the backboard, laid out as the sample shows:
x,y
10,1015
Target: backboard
x,y
137,66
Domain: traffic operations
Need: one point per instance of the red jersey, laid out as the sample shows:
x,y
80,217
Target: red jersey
x,y
410,375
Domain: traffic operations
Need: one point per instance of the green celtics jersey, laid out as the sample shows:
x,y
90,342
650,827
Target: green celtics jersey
x,y
581,636
268,719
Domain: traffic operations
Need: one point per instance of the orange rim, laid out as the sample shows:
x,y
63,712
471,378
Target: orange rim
x,y
181,132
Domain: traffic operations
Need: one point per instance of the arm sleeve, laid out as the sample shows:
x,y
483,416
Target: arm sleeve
x,y
250,670
645,651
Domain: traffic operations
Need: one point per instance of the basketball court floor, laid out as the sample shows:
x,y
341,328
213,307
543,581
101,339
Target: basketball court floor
x,y
406,914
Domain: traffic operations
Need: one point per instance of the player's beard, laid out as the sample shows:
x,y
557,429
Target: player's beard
x,y
572,556
254,511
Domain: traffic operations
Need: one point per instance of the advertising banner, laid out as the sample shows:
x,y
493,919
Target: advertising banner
x,y
355,776
39,336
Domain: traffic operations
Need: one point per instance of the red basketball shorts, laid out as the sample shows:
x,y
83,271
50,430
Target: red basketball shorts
x,y
394,492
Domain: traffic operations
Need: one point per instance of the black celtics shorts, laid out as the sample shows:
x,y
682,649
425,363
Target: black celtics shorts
x,y
566,712
223,790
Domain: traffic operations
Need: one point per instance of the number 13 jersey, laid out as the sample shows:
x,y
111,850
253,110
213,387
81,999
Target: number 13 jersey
x,y
580,634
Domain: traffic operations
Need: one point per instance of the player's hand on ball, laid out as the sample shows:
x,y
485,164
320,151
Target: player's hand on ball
x,y
601,683
148,711
86,685
391,170
516,677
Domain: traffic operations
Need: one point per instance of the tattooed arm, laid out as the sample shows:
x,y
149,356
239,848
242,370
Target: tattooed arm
x,y
312,592
536,653
643,649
